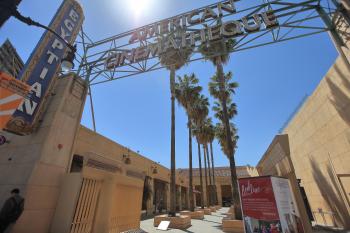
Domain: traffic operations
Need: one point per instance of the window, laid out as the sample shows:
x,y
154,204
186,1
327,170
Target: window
x,y
77,163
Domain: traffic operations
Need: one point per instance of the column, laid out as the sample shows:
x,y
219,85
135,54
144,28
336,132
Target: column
x,y
180,198
150,206
205,200
187,198
194,199
218,187
167,185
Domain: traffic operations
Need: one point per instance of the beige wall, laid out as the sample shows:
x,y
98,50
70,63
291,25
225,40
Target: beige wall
x,y
36,164
319,136
276,162
222,177
95,146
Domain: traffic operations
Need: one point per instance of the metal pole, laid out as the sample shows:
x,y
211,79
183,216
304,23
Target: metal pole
x,y
338,43
92,109
83,60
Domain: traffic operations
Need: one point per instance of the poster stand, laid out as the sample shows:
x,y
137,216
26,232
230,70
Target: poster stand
x,y
269,206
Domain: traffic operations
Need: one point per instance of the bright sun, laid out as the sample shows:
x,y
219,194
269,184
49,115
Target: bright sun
x,y
138,7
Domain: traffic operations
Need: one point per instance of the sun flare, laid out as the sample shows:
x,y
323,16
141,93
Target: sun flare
x,y
138,7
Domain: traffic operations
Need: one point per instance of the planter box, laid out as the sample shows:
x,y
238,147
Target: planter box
x,y
207,211
230,215
198,214
229,225
178,222
213,209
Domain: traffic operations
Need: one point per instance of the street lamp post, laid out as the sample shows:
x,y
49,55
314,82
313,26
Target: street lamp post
x,y
8,8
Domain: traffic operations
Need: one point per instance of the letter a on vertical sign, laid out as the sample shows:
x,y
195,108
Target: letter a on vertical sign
x,y
40,71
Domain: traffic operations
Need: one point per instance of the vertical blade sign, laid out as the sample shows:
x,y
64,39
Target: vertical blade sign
x,y
41,69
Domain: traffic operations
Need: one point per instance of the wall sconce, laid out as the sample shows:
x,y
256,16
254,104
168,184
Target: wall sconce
x,y
126,158
154,169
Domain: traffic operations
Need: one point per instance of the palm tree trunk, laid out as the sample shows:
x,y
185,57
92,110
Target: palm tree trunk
x,y
210,180
190,164
213,170
172,150
226,123
200,174
206,175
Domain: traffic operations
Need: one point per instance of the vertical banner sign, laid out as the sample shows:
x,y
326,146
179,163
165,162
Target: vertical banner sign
x,y
41,69
268,206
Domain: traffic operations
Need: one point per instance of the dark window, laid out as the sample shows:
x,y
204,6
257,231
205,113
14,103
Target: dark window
x,y
77,163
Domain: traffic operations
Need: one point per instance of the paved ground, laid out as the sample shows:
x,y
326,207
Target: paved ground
x,y
210,224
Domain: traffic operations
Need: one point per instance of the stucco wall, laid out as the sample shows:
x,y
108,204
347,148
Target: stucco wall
x,y
93,145
319,135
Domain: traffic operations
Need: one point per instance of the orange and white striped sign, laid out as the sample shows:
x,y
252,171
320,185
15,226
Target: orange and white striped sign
x,y
12,94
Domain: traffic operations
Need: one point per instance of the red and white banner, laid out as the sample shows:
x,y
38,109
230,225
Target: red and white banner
x,y
268,206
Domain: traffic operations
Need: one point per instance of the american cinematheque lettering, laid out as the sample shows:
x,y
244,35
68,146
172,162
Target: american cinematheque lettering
x,y
173,34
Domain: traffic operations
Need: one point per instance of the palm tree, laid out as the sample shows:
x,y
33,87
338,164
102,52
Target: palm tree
x,y
200,110
231,109
221,87
201,133
173,59
220,134
207,131
186,92
211,137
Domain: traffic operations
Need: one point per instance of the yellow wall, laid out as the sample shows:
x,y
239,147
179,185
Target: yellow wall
x,y
319,135
95,146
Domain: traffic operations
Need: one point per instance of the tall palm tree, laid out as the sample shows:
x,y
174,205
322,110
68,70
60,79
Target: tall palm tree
x,y
221,88
209,188
220,134
217,108
186,92
200,112
211,137
173,59
231,109
207,135
201,133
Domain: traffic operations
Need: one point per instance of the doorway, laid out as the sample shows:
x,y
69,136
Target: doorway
x,y
226,195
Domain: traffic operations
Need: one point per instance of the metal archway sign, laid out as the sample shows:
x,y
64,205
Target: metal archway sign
x,y
250,23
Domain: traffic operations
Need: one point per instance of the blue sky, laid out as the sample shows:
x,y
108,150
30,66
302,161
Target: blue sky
x,y
135,112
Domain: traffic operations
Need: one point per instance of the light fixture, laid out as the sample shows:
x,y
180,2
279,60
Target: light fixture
x,y
154,169
67,62
126,157
8,8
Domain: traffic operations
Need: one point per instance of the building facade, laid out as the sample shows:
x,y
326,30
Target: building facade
x,y
73,178
318,139
10,61
222,182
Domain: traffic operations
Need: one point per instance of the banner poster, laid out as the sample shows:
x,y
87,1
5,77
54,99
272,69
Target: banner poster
x,y
268,206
